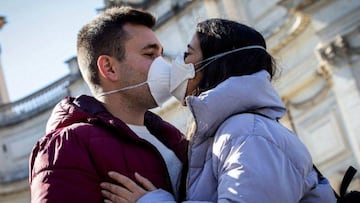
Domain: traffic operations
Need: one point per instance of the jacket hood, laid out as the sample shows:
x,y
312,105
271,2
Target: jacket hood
x,y
73,110
233,96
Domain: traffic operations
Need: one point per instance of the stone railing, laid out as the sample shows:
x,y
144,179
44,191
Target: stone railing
x,y
18,111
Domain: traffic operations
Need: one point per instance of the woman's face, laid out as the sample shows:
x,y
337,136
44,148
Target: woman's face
x,y
193,55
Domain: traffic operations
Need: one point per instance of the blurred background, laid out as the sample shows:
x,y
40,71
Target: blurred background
x,y
37,39
316,44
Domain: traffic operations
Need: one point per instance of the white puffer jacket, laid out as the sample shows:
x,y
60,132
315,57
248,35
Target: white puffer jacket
x,y
246,157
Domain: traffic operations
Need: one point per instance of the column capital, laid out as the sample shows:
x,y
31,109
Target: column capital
x,y
335,51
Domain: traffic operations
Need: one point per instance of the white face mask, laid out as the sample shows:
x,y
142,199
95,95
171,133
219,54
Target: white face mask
x,y
181,72
170,79
158,80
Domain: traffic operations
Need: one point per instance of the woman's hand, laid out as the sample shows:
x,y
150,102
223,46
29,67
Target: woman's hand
x,y
128,191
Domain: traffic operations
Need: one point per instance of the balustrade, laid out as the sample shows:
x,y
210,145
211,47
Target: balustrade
x,y
15,112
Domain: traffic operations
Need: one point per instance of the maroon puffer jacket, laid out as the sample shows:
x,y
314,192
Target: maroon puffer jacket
x,y
84,141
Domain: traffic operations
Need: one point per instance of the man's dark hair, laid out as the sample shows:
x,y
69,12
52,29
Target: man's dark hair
x,y
220,35
105,36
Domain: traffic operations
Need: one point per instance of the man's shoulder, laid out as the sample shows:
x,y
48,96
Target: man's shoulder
x,y
81,130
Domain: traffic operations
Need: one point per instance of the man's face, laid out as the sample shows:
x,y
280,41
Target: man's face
x,y
141,49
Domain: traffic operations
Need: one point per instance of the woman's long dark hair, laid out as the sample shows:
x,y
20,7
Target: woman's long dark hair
x,y
219,35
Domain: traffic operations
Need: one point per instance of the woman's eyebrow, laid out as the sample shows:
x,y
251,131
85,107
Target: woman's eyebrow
x,y
190,47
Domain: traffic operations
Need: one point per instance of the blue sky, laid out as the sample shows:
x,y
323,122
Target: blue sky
x,y
37,40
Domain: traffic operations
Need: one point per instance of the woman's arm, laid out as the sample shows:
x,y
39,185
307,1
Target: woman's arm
x,y
127,191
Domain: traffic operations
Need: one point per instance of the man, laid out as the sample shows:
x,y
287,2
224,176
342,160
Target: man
x,y
88,136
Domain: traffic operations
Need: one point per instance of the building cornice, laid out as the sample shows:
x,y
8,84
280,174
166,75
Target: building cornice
x,y
323,76
297,5
292,29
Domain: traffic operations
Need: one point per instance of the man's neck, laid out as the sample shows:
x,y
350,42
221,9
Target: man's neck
x,y
127,112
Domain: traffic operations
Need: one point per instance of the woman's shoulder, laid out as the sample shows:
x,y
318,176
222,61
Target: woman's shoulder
x,y
261,131
242,126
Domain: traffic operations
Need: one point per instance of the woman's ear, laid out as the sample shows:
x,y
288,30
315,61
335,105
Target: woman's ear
x,y
107,67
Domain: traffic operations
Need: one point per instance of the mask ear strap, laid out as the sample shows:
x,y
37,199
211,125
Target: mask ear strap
x,y
202,67
121,89
213,58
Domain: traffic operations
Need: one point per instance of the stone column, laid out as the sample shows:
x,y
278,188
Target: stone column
x,y
338,54
4,96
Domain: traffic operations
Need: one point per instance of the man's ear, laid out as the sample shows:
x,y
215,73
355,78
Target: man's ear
x,y
107,67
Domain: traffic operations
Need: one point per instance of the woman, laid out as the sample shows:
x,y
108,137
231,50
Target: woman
x,y
238,151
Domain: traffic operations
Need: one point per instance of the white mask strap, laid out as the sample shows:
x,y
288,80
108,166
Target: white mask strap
x,y
213,58
122,89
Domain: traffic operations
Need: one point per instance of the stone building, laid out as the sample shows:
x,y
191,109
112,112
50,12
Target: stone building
x,y
316,44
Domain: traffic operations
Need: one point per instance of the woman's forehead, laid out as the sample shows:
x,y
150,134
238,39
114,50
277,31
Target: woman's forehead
x,y
194,43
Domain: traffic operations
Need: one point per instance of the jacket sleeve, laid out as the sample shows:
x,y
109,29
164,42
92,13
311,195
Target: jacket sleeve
x,y
62,171
162,196
159,195
251,169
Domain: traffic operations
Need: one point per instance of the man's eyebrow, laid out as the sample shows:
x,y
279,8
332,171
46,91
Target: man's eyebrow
x,y
153,46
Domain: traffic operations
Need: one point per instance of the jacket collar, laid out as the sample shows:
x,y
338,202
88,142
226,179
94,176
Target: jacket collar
x,y
233,96
87,109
